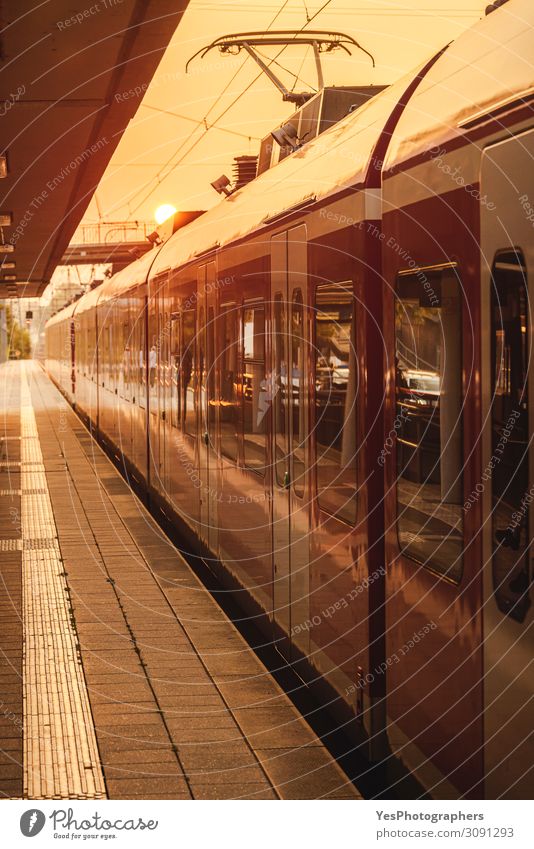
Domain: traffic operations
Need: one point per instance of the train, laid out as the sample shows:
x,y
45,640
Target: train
x,y
324,382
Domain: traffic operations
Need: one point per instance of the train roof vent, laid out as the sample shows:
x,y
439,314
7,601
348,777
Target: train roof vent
x,y
326,108
244,168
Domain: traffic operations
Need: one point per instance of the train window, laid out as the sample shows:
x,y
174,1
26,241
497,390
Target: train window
x,y
141,359
175,369
228,357
187,363
124,375
255,401
211,375
104,371
279,388
428,361
298,398
510,434
335,399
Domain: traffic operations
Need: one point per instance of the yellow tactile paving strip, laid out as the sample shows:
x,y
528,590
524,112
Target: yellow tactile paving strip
x,y
60,751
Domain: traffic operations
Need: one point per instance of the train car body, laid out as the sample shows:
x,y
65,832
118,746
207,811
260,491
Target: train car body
x,y
302,379
452,186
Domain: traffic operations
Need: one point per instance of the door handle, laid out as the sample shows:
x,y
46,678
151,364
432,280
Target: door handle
x,y
206,438
287,480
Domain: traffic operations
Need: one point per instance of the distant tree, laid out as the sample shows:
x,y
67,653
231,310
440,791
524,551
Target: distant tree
x,y
19,345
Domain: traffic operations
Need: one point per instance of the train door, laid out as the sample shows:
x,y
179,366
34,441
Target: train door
x,y
290,408
208,425
507,267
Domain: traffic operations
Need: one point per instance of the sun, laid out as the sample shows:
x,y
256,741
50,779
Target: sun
x,y
163,212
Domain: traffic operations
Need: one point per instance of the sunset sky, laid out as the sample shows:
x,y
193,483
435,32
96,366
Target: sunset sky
x,y
166,155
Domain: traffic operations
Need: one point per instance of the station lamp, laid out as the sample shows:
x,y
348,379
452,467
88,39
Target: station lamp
x,y
6,219
3,165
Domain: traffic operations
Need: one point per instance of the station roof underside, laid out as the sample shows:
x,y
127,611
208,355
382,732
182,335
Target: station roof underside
x,y
72,76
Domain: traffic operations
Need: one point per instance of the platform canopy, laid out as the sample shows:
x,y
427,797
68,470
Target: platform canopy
x,y
72,75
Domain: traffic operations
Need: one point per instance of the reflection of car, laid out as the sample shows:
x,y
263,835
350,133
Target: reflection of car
x,y
421,388
328,378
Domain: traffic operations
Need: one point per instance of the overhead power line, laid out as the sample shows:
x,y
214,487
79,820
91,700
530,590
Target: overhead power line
x,y
198,123
159,179
225,111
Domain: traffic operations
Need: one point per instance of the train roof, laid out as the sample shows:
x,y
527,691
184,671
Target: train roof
x,y
339,157
336,159
66,312
474,73
488,64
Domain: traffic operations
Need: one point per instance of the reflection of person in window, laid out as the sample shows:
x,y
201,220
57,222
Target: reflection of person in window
x,y
126,366
187,369
141,367
152,362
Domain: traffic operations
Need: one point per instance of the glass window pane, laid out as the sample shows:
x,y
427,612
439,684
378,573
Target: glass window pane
x,y
175,370
335,399
255,395
187,367
279,388
428,359
510,435
142,359
298,400
229,379
211,370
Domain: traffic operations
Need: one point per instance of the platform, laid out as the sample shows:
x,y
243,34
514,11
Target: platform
x,y
120,676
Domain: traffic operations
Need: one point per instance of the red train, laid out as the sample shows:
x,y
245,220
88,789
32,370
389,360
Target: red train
x,y
325,382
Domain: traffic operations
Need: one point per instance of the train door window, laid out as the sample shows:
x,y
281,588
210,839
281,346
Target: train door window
x,y
255,394
279,387
228,354
211,375
111,364
125,371
428,361
335,399
202,370
105,357
175,369
188,364
510,433
141,359
297,388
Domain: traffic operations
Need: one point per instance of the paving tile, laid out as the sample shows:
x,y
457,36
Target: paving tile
x,y
305,773
146,788
130,588
255,790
